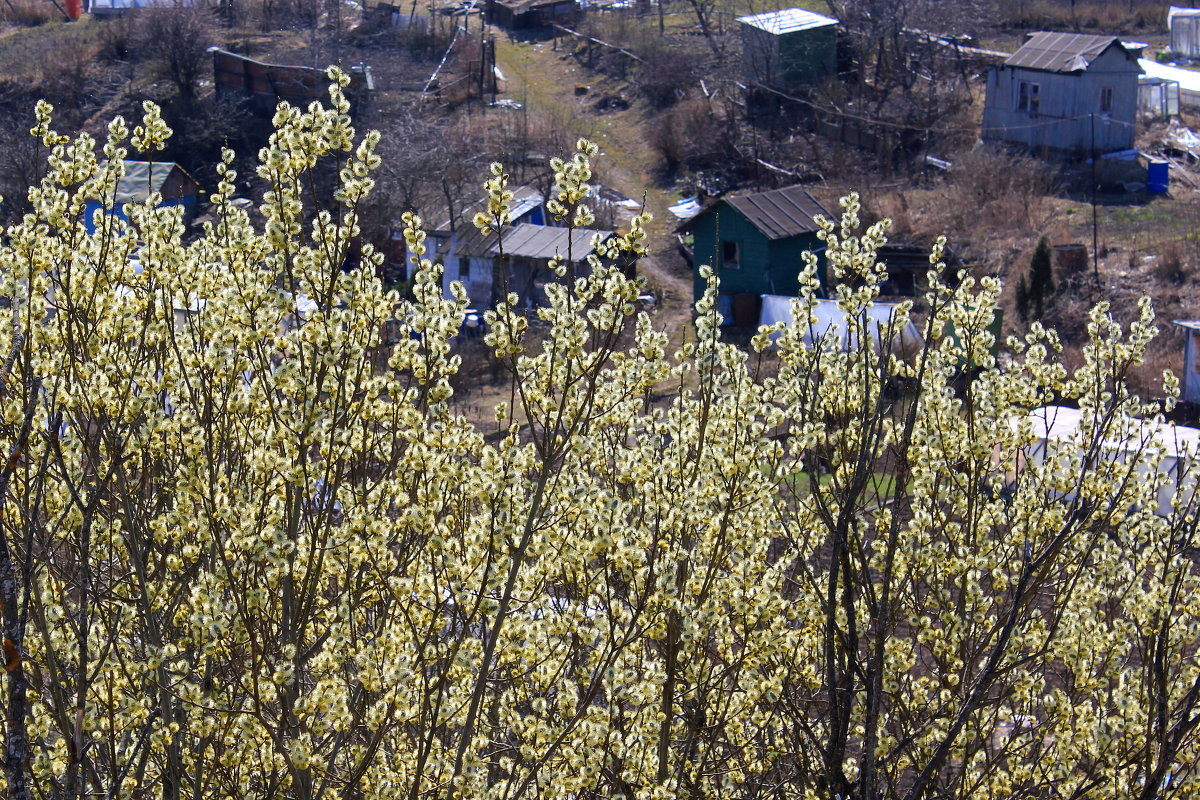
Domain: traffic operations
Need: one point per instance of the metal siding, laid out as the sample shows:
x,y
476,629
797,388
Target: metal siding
x,y
1191,368
1067,102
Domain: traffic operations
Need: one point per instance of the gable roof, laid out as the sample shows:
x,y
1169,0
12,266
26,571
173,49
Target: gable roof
x,y
526,199
526,240
142,178
1061,52
787,20
779,213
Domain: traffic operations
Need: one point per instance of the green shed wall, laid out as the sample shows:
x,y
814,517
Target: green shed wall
x,y
766,267
789,61
807,57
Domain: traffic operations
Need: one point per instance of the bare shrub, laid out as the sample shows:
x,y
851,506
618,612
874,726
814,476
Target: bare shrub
x,y
28,13
1107,15
178,38
1172,264
118,38
669,72
994,191
691,135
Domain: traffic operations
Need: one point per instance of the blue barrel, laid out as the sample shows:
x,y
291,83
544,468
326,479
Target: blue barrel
x,y
1158,176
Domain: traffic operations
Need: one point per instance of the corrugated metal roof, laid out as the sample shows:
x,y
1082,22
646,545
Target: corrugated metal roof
x,y
141,178
525,240
787,20
525,200
780,213
1061,52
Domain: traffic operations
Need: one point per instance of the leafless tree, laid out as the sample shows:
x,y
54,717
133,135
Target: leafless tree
x,y
178,38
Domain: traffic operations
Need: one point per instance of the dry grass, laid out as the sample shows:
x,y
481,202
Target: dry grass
x,y
29,13
1100,15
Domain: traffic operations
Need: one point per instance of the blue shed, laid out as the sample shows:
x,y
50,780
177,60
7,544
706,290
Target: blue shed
x,y
142,178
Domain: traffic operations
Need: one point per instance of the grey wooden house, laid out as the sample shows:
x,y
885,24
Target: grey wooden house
x,y
1065,93
476,261
523,267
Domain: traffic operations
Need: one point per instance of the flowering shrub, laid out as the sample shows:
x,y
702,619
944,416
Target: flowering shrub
x,y
237,560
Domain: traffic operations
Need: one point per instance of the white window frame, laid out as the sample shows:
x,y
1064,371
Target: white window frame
x,y
1106,99
1029,96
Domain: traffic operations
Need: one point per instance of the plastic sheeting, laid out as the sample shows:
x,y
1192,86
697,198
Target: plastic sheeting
x,y
1176,445
831,322
1185,31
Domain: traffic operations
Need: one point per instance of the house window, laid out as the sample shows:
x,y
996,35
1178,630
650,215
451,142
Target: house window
x,y
1028,97
1106,100
464,268
729,255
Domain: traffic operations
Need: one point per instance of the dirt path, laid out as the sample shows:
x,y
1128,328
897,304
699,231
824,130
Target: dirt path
x,y
546,80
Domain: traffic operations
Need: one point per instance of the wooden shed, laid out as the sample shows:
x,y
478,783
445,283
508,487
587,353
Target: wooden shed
x,y
1065,93
755,243
265,85
530,14
788,49
143,178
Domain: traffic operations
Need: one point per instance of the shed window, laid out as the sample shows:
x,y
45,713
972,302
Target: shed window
x,y
464,268
1028,97
729,255
1106,100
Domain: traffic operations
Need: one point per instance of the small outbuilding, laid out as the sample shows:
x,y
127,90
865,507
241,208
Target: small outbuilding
x,y
264,85
1184,24
1191,360
788,49
1065,93
531,14
143,178
445,241
755,243
487,270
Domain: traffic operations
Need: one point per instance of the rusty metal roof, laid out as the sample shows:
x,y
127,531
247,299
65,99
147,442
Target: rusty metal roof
x,y
780,213
1061,52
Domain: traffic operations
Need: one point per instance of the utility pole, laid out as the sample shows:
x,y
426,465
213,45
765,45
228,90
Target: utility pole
x,y
1095,224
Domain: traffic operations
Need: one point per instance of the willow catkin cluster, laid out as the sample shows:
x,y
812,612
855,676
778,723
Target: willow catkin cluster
x,y
251,549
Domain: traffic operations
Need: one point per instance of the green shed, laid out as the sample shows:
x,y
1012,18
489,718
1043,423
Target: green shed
x,y
755,243
788,49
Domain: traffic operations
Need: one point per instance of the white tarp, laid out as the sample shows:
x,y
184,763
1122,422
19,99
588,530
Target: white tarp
x,y
831,322
1188,80
1177,445
686,208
